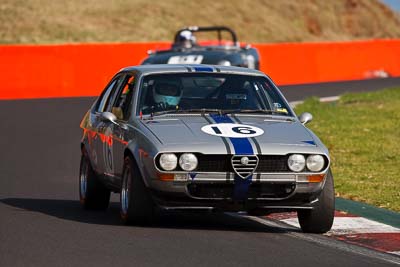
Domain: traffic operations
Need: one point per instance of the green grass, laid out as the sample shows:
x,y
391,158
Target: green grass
x,y
362,132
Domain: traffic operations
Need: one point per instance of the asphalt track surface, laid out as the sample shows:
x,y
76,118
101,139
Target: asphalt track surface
x,y
42,223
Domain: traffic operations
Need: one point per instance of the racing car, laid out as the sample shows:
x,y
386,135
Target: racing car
x,y
187,50
208,137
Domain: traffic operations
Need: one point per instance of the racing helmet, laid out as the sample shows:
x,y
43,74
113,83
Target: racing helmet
x,y
186,39
167,92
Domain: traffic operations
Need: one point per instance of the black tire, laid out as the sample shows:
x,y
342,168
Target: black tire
x,y
93,195
136,204
320,219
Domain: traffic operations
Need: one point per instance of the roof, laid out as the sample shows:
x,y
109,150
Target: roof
x,y
184,68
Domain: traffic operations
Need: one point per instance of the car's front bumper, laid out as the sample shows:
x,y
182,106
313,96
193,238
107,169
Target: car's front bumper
x,y
215,191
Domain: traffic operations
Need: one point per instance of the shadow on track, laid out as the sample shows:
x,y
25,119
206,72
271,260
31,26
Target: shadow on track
x,y
199,220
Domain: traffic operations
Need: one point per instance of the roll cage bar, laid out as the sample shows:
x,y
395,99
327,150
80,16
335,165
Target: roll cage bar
x,y
218,29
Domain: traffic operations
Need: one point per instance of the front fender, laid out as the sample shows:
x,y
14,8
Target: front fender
x,y
143,152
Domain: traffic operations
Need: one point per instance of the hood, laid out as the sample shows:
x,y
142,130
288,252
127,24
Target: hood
x,y
194,133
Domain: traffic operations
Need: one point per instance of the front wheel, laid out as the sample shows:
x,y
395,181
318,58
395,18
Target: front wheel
x,y
92,193
320,219
136,204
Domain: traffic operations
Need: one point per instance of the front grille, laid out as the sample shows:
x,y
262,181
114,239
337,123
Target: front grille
x,y
244,166
214,163
273,163
222,163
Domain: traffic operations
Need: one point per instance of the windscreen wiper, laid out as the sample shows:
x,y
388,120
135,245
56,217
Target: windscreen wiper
x,y
263,111
203,110
220,111
193,110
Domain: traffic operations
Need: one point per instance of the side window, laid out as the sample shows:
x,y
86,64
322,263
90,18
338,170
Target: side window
x,y
123,103
275,102
105,96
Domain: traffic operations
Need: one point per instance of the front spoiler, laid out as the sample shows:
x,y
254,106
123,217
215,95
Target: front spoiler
x,y
173,201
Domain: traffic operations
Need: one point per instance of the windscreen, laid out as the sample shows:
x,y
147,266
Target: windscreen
x,y
197,92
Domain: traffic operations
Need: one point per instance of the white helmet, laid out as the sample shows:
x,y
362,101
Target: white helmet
x,y
186,39
167,92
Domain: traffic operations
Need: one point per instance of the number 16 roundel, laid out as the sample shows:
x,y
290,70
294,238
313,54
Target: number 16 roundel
x,y
232,130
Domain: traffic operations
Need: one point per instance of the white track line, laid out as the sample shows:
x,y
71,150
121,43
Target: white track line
x,y
352,225
321,239
293,104
329,98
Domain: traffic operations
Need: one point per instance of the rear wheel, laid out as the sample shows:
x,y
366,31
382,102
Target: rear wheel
x,y
320,219
136,204
92,193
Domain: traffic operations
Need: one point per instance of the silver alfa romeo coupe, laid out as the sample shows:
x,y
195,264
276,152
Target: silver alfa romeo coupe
x,y
202,137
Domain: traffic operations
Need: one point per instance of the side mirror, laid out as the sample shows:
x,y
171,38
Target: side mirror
x,y
108,116
305,118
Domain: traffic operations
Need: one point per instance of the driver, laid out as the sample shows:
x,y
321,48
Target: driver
x,y
186,39
167,94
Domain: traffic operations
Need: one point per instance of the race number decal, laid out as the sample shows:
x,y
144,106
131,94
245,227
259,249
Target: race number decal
x,y
190,59
232,130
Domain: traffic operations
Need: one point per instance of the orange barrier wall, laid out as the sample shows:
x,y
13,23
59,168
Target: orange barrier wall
x,y
295,63
39,71
33,71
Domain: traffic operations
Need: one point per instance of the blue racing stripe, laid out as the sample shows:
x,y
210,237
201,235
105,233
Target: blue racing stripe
x,y
221,118
241,146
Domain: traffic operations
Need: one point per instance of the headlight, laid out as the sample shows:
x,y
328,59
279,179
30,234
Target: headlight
x,y
188,162
315,163
168,161
296,162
